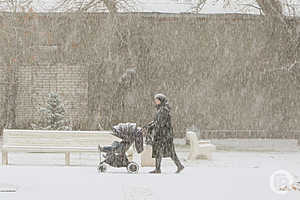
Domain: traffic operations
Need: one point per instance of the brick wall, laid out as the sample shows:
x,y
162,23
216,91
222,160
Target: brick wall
x,y
35,82
2,95
218,71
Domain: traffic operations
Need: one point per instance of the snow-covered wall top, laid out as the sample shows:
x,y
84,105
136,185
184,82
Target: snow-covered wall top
x,y
210,7
291,7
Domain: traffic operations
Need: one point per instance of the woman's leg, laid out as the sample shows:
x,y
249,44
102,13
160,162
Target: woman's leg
x,y
158,159
176,160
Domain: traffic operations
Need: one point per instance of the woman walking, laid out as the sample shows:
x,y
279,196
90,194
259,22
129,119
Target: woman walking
x,y
163,145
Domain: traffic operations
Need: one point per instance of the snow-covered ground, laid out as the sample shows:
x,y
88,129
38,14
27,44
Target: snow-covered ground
x,y
229,176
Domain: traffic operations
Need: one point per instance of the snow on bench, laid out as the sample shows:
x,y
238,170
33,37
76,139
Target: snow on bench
x,y
199,149
51,141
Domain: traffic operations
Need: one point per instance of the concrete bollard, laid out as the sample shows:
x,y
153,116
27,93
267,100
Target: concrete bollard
x,y
129,154
146,157
199,149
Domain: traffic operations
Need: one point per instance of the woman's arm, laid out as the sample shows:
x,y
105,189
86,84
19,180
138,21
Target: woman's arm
x,y
150,125
160,121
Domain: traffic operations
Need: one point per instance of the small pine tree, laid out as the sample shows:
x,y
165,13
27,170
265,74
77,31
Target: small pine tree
x,y
53,115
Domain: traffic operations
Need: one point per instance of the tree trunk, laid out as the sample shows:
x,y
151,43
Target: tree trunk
x,y
11,97
273,10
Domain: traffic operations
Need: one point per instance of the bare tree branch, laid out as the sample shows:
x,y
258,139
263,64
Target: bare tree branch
x,y
111,6
272,8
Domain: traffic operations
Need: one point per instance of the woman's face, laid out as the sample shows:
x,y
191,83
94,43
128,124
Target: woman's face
x,y
157,101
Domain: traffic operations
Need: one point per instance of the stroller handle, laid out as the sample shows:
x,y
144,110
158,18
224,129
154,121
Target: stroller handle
x,y
149,125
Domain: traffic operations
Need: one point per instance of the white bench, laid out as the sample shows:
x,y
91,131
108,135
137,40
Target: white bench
x,y
199,149
53,142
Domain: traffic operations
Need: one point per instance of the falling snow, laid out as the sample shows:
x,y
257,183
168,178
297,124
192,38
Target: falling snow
x,y
103,86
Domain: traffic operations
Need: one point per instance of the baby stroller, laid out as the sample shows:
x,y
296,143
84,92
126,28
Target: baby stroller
x,y
115,155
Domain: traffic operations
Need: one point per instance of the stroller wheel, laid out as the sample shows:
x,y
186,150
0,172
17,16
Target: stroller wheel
x,y
102,168
132,167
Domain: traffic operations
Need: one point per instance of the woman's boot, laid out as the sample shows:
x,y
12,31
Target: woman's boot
x,y
157,166
177,162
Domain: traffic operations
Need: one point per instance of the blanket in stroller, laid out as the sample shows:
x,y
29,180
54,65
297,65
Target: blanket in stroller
x,y
129,133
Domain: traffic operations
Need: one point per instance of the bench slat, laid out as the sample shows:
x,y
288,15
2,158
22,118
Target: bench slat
x,y
48,149
57,138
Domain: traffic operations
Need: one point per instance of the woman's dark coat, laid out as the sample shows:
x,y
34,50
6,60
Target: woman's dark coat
x,y
163,130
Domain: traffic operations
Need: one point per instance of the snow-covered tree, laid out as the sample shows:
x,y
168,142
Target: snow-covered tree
x,y
53,115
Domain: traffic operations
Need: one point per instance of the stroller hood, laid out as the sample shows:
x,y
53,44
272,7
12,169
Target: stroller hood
x,y
131,133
